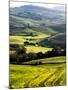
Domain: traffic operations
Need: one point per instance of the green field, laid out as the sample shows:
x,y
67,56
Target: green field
x,y
22,39
30,48
37,49
34,49
48,60
24,76
16,39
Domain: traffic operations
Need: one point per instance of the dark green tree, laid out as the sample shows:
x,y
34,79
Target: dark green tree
x,y
21,54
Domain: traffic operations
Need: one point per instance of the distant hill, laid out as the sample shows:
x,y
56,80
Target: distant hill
x,y
60,28
60,8
39,13
19,24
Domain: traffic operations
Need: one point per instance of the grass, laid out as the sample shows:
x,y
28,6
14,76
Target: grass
x,y
48,60
30,48
34,49
22,39
16,39
37,49
25,76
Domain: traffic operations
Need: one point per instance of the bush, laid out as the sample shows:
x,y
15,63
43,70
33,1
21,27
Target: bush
x,y
32,56
40,55
40,62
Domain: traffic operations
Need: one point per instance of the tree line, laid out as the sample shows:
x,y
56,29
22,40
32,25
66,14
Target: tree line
x,y
21,56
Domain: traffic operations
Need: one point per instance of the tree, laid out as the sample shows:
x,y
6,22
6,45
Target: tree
x,y
40,62
40,55
20,54
32,56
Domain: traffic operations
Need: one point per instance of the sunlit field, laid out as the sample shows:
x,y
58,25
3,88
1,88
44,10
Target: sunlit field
x,y
25,76
22,39
37,49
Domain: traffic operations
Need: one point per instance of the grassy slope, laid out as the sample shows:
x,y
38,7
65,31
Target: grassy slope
x,y
30,48
58,36
34,49
37,49
48,60
35,25
55,40
16,39
39,29
21,39
22,76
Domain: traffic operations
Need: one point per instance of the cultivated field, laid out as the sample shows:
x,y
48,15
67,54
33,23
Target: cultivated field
x,y
37,49
22,39
22,76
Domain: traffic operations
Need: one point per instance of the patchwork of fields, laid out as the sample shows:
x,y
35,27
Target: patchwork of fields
x,y
19,40
37,47
22,76
22,39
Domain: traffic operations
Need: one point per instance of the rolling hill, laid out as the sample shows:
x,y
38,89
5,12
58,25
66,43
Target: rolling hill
x,y
18,25
36,18
37,22
57,40
39,13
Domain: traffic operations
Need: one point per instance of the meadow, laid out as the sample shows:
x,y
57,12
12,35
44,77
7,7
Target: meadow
x,y
22,39
19,40
25,76
37,49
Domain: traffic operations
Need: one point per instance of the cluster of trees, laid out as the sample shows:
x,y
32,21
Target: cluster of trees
x,y
28,43
21,55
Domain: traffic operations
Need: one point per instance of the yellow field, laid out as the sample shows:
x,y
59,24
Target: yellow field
x,y
37,49
16,39
22,39
24,76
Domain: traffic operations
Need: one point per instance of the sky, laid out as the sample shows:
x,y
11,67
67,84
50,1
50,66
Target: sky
x,y
17,4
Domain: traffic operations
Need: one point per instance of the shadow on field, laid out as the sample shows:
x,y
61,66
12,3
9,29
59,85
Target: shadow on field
x,y
40,63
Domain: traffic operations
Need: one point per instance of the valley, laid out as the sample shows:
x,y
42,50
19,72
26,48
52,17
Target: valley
x,y
37,47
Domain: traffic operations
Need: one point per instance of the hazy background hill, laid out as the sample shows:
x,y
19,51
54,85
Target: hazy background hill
x,y
39,13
